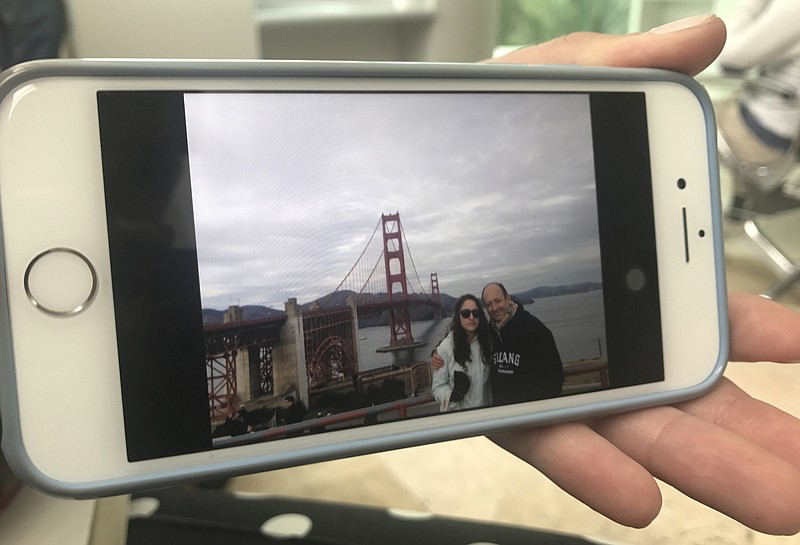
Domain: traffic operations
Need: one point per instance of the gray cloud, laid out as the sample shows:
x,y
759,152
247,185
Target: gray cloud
x,y
288,188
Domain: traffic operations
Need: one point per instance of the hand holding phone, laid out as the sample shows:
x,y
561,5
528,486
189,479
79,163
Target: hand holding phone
x,y
609,473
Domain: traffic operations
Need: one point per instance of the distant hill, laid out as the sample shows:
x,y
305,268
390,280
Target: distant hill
x,y
338,299
372,320
554,291
250,312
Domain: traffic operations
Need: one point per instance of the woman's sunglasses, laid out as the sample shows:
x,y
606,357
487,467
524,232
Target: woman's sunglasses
x,y
465,313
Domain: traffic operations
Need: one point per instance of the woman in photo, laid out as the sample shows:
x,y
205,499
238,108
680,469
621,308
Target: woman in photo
x,y
463,381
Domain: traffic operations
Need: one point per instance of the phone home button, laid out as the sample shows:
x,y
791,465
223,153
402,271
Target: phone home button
x,y
60,282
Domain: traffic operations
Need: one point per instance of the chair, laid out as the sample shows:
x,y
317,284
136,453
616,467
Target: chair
x,y
767,191
789,271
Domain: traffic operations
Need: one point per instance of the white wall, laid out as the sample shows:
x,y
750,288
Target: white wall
x,y
443,30
424,30
162,28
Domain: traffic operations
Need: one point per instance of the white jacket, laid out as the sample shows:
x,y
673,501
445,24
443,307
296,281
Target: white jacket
x,y
477,371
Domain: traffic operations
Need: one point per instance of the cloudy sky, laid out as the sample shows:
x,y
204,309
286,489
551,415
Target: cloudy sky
x,y
288,188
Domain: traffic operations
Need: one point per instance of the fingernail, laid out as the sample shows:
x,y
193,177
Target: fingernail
x,y
683,24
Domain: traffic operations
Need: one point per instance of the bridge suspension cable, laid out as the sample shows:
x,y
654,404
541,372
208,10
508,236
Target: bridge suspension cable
x,y
372,273
357,279
413,265
366,276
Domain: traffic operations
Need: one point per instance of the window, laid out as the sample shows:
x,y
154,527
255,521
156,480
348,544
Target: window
x,y
533,21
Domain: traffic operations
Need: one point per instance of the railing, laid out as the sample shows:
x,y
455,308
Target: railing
x,y
574,369
319,424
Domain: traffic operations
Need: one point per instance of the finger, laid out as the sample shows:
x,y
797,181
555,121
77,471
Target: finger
x,y
729,407
762,330
711,465
589,468
688,50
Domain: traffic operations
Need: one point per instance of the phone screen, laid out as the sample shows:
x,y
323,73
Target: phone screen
x,y
284,263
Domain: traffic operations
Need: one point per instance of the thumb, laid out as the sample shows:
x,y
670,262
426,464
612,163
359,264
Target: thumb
x,y
686,46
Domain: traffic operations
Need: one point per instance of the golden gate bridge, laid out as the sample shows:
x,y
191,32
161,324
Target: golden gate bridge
x,y
315,349
382,265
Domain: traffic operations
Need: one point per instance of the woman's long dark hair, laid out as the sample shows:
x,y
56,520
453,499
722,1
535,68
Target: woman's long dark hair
x,y
461,348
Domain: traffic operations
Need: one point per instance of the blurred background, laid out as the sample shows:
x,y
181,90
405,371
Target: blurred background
x,y
478,481
390,30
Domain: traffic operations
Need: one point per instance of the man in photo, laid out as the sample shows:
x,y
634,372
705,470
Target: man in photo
x,y
525,362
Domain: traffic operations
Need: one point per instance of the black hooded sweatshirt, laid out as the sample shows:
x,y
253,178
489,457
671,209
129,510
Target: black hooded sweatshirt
x,y
525,361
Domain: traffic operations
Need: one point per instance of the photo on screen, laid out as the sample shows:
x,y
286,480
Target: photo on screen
x,y
335,233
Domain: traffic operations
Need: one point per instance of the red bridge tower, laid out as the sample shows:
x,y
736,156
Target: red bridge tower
x,y
395,262
436,296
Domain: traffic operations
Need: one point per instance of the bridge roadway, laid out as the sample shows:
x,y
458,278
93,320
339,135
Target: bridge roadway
x,y
269,328
374,308
222,337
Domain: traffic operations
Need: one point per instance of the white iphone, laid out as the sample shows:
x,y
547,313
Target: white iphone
x,y
213,268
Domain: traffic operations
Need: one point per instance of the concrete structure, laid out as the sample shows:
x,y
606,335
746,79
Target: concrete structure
x,y
288,356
